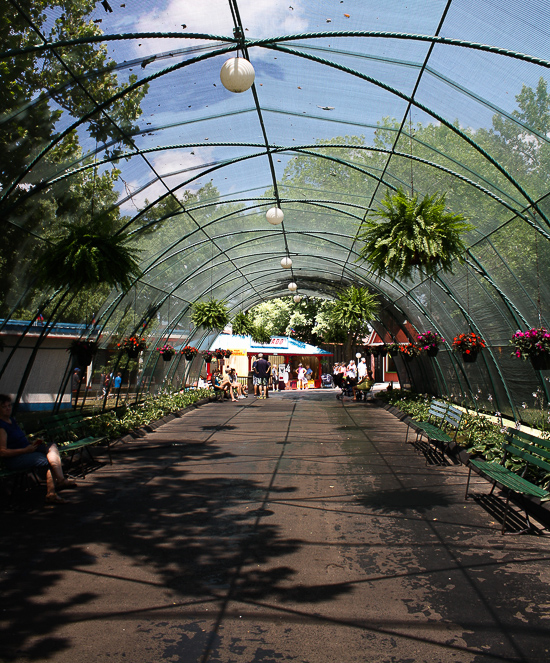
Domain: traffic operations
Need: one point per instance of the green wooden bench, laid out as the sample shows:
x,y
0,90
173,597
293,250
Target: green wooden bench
x,y
69,430
534,454
432,424
16,478
441,427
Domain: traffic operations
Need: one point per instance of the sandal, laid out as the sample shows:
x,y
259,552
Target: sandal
x,y
55,499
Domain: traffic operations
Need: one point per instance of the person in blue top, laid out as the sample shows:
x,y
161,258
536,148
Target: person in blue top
x,y
20,454
118,381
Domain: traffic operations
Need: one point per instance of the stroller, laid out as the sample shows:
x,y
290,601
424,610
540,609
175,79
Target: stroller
x,y
326,381
346,390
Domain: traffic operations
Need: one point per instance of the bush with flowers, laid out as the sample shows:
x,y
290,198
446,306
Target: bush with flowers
x,y
189,351
207,356
531,343
470,343
429,340
167,351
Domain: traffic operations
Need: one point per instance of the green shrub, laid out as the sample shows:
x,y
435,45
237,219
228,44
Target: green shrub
x,y
114,425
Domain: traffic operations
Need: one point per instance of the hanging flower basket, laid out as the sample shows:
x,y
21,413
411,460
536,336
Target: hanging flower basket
x,y
133,345
167,352
540,362
189,352
83,351
429,342
227,354
409,351
393,348
470,345
470,356
533,344
207,356
220,353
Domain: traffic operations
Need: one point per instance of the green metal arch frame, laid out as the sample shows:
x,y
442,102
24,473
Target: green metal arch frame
x,y
274,43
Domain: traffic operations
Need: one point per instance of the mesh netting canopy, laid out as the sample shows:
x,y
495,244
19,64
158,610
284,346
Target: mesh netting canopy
x,y
114,115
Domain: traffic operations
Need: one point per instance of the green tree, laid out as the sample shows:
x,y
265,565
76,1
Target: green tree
x,y
41,90
354,309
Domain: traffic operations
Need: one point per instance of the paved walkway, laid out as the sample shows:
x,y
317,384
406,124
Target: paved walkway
x,y
295,529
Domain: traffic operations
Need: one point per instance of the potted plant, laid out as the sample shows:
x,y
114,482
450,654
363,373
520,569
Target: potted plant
x,y
83,350
133,345
393,348
409,234
429,342
167,351
470,345
227,354
212,315
260,335
207,356
533,344
242,324
409,351
220,353
189,352
84,256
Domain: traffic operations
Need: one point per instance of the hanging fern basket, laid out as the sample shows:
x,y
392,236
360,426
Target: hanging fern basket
x,y
212,315
242,325
84,257
410,234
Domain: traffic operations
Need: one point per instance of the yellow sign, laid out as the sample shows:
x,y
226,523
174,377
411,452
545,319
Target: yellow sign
x,y
238,353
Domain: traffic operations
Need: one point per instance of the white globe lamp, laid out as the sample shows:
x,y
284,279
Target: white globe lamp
x,y
286,263
292,287
275,216
297,298
237,75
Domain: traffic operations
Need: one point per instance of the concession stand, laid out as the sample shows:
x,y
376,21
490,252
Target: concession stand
x,y
280,350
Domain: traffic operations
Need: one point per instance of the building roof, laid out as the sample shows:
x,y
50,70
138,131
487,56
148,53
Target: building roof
x,y
279,345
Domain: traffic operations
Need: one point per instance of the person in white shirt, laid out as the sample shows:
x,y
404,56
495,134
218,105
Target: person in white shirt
x,y
302,378
362,369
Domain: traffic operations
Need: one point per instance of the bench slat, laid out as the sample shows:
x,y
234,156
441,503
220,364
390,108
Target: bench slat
x,y
509,479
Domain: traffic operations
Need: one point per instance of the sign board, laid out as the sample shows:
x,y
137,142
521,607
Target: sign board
x,y
238,353
276,343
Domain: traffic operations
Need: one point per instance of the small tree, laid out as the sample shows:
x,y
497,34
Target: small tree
x,y
353,310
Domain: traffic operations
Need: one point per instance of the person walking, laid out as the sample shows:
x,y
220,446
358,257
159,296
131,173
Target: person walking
x,y
262,369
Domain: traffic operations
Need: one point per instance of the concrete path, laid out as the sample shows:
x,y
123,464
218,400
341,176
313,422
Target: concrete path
x,y
293,529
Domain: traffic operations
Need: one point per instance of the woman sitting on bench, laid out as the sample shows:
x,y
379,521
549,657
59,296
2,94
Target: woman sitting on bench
x,y
20,455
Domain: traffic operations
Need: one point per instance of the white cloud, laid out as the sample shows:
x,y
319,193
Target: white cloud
x,y
174,166
261,18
